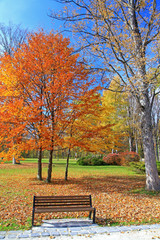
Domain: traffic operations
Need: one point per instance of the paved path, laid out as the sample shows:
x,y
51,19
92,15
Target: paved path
x,y
68,229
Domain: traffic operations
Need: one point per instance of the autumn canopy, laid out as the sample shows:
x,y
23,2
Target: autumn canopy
x,y
49,99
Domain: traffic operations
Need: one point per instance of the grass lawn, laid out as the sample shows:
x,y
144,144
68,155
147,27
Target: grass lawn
x,y
117,192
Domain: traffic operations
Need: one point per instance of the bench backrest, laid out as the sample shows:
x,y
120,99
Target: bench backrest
x,y
62,201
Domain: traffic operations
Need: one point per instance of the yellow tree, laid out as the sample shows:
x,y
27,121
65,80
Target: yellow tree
x,y
125,115
93,129
116,99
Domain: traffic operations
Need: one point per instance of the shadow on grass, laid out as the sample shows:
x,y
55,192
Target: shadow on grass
x,y
107,184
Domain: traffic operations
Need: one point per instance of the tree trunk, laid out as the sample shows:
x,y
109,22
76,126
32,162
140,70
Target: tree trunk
x,y
13,160
136,145
58,155
67,164
48,180
132,147
152,179
39,174
157,147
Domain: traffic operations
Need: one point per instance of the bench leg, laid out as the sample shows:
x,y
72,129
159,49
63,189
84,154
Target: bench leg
x,y
94,214
33,218
90,214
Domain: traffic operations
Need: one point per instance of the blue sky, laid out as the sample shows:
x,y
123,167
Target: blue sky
x,y
31,14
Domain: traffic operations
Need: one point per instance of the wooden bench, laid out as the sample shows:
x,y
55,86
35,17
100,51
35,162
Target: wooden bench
x,y
43,204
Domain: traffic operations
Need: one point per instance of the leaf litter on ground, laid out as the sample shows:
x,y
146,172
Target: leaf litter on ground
x,y
113,197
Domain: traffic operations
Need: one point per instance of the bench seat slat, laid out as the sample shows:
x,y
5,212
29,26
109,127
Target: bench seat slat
x,y
65,202
62,197
49,201
71,209
61,205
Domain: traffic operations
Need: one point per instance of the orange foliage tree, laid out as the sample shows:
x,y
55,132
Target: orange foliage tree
x,y
12,121
48,80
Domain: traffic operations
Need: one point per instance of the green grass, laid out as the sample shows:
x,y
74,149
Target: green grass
x,y
12,225
143,222
74,169
143,191
94,171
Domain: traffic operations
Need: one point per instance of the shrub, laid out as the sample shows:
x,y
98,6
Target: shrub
x,y
97,161
84,161
131,156
127,157
140,166
90,161
112,159
121,158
